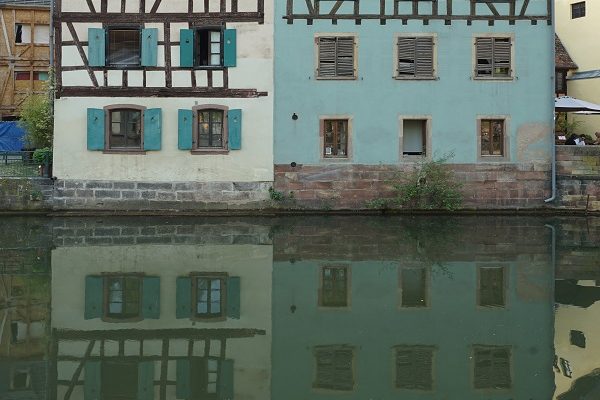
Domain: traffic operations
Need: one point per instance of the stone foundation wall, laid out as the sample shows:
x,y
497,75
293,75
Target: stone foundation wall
x,y
578,177
25,194
176,196
352,186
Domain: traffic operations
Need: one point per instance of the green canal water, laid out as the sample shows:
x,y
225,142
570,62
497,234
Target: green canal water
x,y
300,308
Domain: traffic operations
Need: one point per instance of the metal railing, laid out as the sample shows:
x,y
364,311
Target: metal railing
x,y
20,164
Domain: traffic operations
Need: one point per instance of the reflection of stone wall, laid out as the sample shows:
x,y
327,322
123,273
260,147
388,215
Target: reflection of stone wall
x,y
578,176
578,248
25,194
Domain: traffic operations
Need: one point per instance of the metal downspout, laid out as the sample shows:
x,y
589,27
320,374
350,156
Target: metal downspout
x,y
553,138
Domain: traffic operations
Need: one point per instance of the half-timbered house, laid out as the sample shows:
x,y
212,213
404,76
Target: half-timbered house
x,y
163,103
371,88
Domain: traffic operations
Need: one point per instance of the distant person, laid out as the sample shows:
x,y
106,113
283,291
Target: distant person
x,y
572,140
580,141
597,141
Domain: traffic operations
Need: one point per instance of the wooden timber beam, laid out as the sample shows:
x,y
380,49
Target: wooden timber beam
x,y
90,91
149,334
198,18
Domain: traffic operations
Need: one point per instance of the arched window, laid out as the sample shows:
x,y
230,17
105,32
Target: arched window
x,y
210,130
124,127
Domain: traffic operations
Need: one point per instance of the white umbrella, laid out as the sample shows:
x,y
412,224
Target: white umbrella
x,y
568,104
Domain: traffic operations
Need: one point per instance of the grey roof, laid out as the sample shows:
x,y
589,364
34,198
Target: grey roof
x,y
25,3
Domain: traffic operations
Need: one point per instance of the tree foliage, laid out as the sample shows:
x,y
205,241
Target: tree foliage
x,y
37,120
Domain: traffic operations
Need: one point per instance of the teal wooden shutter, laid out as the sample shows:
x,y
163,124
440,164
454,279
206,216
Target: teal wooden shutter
x,y
145,380
234,125
96,47
151,297
184,133
152,129
184,297
94,296
149,47
233,297
95,129
225,381
229,48
92,380
183,377
186,47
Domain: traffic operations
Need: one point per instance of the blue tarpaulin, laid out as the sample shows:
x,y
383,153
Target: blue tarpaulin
x,y
11,136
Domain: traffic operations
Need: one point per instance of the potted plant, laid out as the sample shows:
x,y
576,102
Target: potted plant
x,y
43,157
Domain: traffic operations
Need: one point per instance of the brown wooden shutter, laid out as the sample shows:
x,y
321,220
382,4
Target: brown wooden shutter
x,y
424,57
326,49
484,54
502,56
406,56
345,57
336,57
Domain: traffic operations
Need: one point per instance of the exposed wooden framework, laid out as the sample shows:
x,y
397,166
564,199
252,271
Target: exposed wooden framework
x,y
480,10
100,87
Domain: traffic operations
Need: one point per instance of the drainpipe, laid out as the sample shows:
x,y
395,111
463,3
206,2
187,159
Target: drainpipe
x,y
51,55
553,139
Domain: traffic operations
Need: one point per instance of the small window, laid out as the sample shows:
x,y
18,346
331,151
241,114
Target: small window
x,y
492,137
335,136
123,47
117,382
415,58
492,367
578,10
20,379
205,373
560,82
334,287
211,132
336,57
414,367
209,48
40,76
22,33
334,368
492,287
22,75
41,34
125,129
493,57
414,282
209,296
414,137
122,297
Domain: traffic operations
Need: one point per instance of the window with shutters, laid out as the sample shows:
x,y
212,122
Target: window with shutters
x,y
334,286
578,10
336,57
209,297
492,367
125,128
493,58
117,382
208,50
415,136
414,367
414,287
20,379
491,287
122,297
492,138
335,133
415,57
205,373
334,368
210,128
123,47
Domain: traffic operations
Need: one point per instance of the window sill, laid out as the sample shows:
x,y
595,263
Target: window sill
x,y
209,151
494,159
336,159
119,320
208,67
337,78
209,319
122,67
416,78
505,79
132,152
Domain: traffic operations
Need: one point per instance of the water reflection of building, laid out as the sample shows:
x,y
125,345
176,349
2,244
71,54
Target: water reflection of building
x,y
181,311
397,309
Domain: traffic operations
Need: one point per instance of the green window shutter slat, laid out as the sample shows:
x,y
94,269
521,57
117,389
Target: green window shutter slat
x,y
95,129
94,296
225,381
234,123
182,387
229,48
184,298
96,47
145,380
151,297
152,129
149,47
233,297
186,47
184,129
92,380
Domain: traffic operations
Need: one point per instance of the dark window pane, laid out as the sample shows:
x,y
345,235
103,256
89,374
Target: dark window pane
x,y
210,128
414,287
209,296
578,10
335,137
126,129
124,47
491,287
334,290
123,297
208,48
119,380
492,137
205,376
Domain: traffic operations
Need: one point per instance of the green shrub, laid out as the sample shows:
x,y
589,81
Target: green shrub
x,y
43,155
37,121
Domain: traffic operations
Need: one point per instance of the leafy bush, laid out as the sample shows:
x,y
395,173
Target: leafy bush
x,y
37,120
43,155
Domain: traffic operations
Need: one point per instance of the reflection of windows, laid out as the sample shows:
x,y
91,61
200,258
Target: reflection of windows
x,y
210,296
414,283
334,287
117,382
414,367
334,368
565,366
335,134
123,297
577,338
491,137
123,47
493,57
206,378
492,367
492,287
118,378
125,128
20,379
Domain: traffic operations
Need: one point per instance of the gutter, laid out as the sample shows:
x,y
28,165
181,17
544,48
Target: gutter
x,y
553,138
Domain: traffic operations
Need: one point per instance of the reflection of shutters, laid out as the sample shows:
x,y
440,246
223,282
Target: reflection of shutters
x,y
145,380
233,297
234,125
184,297
92,381
149,47
185,120
491,287
229,48
415,57
152,129
183,377
334,367
94,296
492,368
414,367
151,297
225,382
186,48
336,57
95,129
96,47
